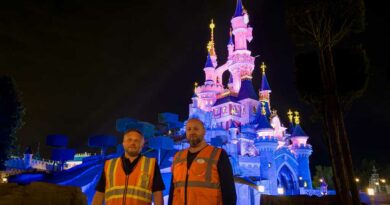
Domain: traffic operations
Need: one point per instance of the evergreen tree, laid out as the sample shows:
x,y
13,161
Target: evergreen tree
x,y
11,113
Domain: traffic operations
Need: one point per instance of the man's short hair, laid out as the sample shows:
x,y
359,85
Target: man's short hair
x,y
133,130
197,119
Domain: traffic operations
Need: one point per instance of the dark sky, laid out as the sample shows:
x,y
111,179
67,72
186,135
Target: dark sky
x,y
80,65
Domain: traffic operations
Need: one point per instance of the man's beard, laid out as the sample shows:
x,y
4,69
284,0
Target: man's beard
x,y
194,141
132,153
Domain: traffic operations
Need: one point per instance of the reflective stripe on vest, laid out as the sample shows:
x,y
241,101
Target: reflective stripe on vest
x,y
112,165
141,190
132,192
198,184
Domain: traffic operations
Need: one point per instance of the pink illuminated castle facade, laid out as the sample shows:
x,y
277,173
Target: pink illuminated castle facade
x,y
242,121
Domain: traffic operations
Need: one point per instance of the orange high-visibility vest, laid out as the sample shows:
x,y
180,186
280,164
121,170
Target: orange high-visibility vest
x,y
139,186
203,186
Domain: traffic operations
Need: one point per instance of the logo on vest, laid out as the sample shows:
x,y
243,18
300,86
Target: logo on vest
x,y
200,161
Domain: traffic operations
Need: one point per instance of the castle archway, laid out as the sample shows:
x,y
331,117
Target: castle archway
x,y
287,180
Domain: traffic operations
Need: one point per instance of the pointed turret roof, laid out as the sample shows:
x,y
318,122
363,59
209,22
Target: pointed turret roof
x,y
263,123
264,81
208,63
290,128
298,131
238,11
247,90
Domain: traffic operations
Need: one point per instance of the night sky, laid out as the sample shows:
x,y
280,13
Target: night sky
x,y
80,65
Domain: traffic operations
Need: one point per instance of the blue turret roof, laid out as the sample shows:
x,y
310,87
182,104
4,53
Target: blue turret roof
x,y
247,90
238,11
263,123
226,99
290,128
298,131
264,83
209,63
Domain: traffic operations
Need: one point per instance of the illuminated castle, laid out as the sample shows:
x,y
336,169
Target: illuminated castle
x,y
273,156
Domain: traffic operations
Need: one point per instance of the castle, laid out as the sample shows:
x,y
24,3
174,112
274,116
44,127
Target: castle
x,y
265,154
237,118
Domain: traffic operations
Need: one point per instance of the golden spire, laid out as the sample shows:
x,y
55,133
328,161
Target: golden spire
x,y
210,45
195,85
290,115
296,117
263,67
263,112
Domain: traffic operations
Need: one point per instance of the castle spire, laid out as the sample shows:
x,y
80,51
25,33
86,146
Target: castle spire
x,y
264,81
298,131
238,11
296,118
290,115
231,38
290,128
195,86
209,62
210,44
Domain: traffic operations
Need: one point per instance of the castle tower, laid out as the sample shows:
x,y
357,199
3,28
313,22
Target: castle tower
x,y
302,151
242,63
207,93
267,144
209,71
242,32
265,90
